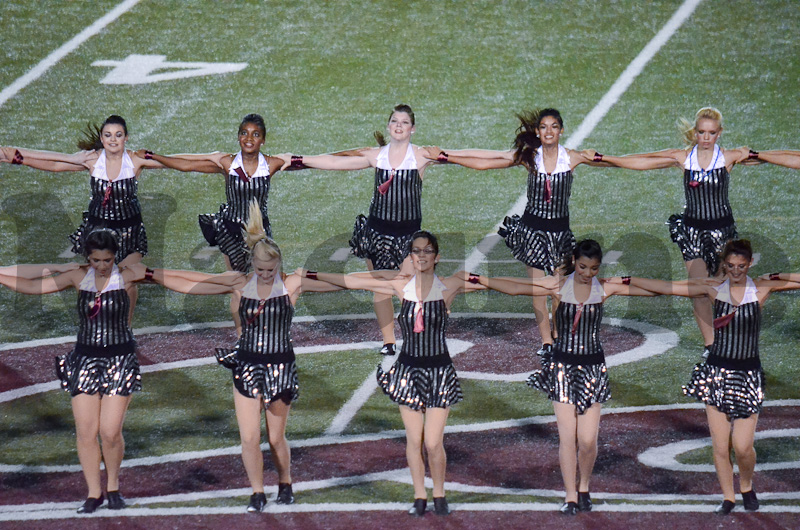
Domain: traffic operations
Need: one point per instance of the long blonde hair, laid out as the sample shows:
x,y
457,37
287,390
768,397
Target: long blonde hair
x,y
688,128
261,246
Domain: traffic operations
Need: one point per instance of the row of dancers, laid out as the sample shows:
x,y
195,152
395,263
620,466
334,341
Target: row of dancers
x,y
386,238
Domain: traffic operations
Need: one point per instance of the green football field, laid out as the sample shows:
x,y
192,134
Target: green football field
x,y
325,75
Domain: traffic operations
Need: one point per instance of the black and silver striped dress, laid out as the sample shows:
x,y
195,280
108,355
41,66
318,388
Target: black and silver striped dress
x,y
104,358
262,361
706,223
114,205
423,375
224,228
384,237
576,373
542,237
731,378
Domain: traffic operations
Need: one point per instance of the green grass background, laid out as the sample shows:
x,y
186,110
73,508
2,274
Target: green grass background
x,y
325,75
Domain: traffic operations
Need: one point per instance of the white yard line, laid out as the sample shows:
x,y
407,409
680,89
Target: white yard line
x,y
623,82
65,49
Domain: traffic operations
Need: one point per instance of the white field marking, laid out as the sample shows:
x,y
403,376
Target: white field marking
x,y
357,438
206,253
137,69
623,82
612,257
67,254
370,384
666,456
65,49
657,340
341,254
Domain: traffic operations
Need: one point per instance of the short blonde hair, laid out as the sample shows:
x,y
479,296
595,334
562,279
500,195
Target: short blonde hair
x,y
687,128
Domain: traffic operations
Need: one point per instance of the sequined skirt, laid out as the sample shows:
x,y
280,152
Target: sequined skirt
x,y
536,248
737,393
110,376
386,251
260,381
131,237
421,388
574,384
695,243
227,234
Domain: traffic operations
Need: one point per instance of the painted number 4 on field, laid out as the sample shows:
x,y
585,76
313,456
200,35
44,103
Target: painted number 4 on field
x,y
140,69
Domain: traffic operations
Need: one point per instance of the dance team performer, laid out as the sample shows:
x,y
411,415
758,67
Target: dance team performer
x,y
262,361
541,238
574,374
422,381
730,381
102,372
784,158
114,188
395,213
706,223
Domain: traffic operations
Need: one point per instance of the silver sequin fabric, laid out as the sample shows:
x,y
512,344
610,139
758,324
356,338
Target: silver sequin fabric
x,y
386,251
540,249
696,243
736,393
416,387
110,376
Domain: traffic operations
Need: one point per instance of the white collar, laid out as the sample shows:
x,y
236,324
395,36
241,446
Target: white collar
x,y
115,281
717,160
262,171
409,162
436,292
596,295
127,171
251,289
724,292
562,163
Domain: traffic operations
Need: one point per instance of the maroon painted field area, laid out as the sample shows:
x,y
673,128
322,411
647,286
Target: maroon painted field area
x,y
523,457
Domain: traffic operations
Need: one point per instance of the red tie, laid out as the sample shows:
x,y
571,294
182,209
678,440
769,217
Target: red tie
x,y
258,311
724,320
95,307
383,188
575,320
548,190
242,175
419,325
106,196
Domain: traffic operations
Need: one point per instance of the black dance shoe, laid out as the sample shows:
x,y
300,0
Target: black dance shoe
x,y
91,505
750,500
725,508
569,508
440,506
116,501
388,349
257,502
584,502
546,351
285,495
418,510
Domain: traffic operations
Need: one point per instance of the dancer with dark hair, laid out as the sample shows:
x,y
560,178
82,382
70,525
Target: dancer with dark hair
x,y
573,375
114,200
730,381
102,371
706,223
422,381
262,361
541,238
395,213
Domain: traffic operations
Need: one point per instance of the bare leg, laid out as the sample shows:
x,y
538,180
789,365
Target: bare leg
x,y
720,429
588,429
744,433
567,422
703,310
112,416
277,416
540,309
435,421
86,410
414,422
384,311
248,416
